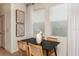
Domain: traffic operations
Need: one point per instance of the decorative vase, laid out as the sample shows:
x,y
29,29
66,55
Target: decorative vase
x,y
39,38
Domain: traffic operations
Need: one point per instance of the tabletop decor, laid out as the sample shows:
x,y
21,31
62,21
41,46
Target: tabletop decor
x,y
39,37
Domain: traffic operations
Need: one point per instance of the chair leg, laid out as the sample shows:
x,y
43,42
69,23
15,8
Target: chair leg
x,y
26,53
20,52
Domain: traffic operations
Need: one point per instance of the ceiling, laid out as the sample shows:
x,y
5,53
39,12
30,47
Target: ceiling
x,y
43,5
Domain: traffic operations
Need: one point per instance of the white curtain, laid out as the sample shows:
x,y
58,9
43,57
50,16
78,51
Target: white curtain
x,y
73,29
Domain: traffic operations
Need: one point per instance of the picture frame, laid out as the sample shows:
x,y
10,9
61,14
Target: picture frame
x,y
20,16
20,30
20,25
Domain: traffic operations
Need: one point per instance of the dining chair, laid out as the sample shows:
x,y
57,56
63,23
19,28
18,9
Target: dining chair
x,y
35,50
23,48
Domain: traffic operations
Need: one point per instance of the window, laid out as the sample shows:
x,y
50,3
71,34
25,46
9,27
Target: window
x,y
38,21
58,18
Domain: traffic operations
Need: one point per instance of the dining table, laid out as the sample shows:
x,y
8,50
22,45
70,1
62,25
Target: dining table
x,y
46,45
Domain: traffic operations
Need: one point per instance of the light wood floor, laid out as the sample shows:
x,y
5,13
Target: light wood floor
x,y
3,52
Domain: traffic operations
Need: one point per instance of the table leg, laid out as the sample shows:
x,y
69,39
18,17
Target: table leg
x,y
55,51
46,52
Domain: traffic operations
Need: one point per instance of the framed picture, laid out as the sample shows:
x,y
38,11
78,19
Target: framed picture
x,y
20,16
20,19
20,30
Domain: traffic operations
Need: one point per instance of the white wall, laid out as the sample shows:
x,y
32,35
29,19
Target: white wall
x,y
6,11
47,23
29,26
9,10
14,39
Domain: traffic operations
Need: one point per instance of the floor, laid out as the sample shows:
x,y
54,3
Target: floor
x,y
3,52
